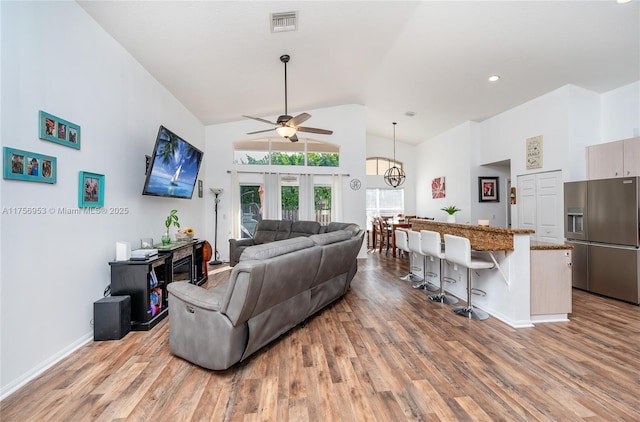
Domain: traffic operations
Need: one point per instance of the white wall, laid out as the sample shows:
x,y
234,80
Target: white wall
x,y
621,113
54,266
445,155
569,119
406,154
348,123
584,129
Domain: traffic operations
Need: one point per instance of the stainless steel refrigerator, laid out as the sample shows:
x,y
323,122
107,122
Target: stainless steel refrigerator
x,y
602,223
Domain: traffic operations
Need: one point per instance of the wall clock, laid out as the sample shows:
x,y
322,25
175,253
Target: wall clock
x,y
355,184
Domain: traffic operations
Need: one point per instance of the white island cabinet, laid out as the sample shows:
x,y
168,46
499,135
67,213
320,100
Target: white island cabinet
x,y
517,288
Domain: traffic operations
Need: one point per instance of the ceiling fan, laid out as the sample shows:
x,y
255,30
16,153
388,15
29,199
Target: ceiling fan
x,y
288,126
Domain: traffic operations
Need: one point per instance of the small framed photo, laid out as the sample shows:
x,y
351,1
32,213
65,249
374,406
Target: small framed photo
x,y
91,190
58,130
488,189
29,166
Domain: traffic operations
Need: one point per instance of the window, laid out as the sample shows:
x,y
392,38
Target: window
x,y
255,151
322,203
378,165
251,209
290,197
384,202
280,151
287,153
322,154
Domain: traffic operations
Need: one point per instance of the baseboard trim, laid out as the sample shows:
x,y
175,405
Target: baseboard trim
x,y
16,384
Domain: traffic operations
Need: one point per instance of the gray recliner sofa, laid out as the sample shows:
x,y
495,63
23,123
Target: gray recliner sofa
x,y
274,287
271,230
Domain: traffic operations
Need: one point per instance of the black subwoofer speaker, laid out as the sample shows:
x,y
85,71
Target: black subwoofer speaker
x,y
111,318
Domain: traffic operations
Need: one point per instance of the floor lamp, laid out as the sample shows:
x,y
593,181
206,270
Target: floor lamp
x,y
216,255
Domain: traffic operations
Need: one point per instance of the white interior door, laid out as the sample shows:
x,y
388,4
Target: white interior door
x,y
549,194
527,216
540,205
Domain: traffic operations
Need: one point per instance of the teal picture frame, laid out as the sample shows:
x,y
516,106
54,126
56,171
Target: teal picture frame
x,y
29,166
91,190
60,131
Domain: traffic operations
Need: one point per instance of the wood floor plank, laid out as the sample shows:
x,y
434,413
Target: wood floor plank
x,y
383,352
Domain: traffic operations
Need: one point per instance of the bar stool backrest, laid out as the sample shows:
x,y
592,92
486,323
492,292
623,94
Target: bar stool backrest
x,y
431,243
414,241
458,250
402,240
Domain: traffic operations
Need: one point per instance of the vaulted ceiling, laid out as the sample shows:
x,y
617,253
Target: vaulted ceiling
x,y
433,58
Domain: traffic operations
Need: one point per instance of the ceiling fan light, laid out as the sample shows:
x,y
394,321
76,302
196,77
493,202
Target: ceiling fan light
x,y
286,131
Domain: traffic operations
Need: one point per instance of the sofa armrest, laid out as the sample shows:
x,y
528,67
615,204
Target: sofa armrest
x,y
242,242
236,247
209,299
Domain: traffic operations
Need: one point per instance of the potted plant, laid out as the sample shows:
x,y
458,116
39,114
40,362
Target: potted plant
x,y
172,218
451,210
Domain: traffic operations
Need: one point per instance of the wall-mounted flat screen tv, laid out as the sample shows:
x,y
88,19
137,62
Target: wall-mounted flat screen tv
x,y
174,166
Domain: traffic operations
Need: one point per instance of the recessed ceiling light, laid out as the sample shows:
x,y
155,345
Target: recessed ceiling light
x,y
623,1
493,78
410,113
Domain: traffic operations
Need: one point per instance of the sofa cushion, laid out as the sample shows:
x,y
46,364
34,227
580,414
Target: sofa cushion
x,y
304,228
272,230
328,238
284,229
272,249
265,231
350,227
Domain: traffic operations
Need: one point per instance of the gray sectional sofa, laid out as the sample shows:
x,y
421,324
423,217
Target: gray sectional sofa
x,y
274,287
271,230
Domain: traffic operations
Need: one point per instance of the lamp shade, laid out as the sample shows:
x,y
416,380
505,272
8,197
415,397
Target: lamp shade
x,y
286,131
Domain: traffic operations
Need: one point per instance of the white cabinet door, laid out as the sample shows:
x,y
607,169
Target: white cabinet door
x,y
605,160
632,157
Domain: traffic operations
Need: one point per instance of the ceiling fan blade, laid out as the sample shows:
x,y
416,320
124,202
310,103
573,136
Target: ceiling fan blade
x,y
293,138
314,130
300,118
259,119
260,131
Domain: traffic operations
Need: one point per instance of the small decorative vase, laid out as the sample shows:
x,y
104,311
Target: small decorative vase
x,y
451,218
166,239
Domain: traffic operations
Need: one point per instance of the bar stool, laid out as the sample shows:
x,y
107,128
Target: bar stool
x,y
416,247
432,246
402,242
458,251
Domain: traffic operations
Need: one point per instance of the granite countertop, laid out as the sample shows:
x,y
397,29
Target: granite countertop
x,y
536,245
487,229
482,238
485,237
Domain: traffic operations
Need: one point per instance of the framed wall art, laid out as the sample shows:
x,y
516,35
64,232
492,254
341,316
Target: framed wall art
x,y
91,190
58,130
29,166
534,152
438,188
488,189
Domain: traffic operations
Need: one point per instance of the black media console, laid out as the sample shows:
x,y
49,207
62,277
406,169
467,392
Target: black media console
x,y
146,281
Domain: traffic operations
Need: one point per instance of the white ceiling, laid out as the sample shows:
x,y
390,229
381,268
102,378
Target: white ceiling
x,y
430,57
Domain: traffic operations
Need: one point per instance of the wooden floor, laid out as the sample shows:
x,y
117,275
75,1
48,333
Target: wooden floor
x,y
382,353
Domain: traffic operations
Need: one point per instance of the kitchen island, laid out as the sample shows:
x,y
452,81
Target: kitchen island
x,y
523,288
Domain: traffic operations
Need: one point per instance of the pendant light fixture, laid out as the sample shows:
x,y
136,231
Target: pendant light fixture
x,y
395,175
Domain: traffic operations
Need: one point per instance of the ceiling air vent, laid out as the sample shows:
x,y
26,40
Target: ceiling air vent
x,y
284,21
